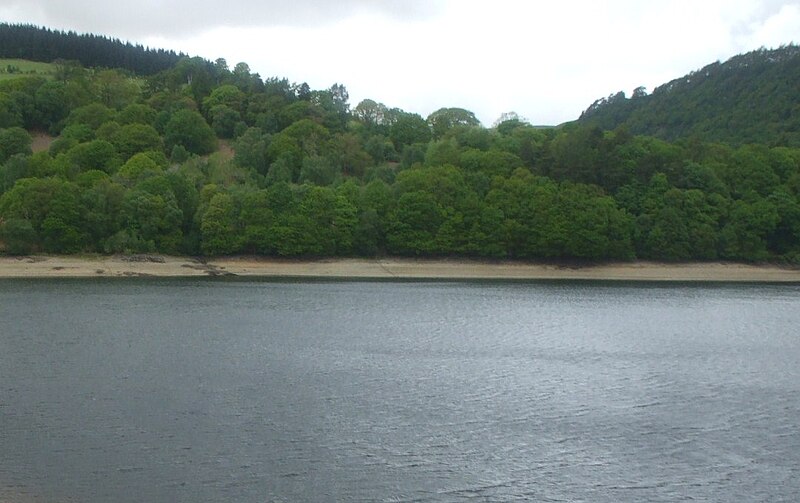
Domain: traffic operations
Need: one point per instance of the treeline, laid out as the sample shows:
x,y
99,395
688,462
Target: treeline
x,y
202,159
751,98
22,41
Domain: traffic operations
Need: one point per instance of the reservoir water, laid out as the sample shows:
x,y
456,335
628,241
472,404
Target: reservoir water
x,y
253,391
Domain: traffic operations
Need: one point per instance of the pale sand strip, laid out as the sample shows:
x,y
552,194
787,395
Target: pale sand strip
x,y
165,266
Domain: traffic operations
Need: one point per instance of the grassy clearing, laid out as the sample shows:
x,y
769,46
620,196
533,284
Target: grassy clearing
x,y
13,68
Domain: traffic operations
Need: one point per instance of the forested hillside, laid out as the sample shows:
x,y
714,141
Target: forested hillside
x,y
751,98
136,166
46,45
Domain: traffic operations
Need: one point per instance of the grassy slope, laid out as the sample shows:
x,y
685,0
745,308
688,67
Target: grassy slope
x,y
25,68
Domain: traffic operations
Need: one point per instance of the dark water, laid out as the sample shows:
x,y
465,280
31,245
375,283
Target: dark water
x,y
206,391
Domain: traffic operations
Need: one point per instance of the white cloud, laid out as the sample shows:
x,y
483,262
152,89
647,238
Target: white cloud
x,y
184,17
781,28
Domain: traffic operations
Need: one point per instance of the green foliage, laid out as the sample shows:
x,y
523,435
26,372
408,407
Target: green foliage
x,y
751,98
46,45
127,242
380,149
491,163
218,228
188,129
445,119
408,129
136,113
138,167
95,154
152,219
179,154
114,89
306,176
102,203
59,237
251,150
744,236
132,139
92,115
78,132
324,223
52,105
15,168
318,171
257,217
442,152
224,120
10,115
52,209
18,235
14,140
413,225
348,155
280,171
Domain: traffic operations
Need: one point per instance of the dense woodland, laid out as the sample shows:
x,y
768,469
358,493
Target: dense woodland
x,y
203,159
751,98
46,45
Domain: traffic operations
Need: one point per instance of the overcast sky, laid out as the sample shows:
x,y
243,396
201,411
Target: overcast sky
x,y
545,60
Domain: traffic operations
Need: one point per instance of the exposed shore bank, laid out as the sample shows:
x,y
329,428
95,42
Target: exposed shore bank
x,y
383,268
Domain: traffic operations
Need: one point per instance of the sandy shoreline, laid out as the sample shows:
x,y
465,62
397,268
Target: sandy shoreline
x,y
384,268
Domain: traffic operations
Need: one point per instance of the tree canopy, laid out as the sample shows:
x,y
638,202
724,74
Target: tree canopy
x,y
751,98
201,159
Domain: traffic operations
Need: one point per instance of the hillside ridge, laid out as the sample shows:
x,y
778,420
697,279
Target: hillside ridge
x,y
35,43
750,98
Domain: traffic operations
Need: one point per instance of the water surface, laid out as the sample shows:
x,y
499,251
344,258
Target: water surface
x,y
251,391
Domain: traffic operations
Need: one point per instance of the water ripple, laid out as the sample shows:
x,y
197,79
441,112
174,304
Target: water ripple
x,y
269,391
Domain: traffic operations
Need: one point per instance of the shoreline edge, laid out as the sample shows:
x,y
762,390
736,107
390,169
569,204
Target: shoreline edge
x,y
41,266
